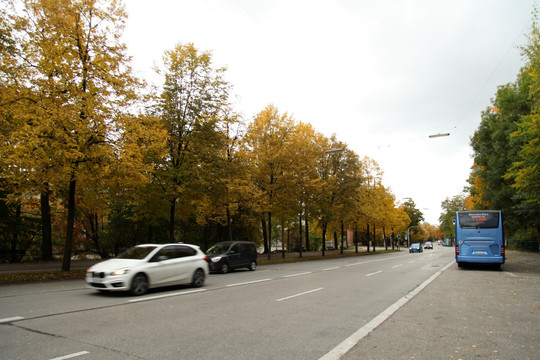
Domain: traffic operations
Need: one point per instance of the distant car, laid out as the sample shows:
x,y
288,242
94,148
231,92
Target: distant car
x,y
229,255
428,245
148,266
416,247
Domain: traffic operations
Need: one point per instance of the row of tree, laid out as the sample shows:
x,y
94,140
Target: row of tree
x,y
506,145
94,160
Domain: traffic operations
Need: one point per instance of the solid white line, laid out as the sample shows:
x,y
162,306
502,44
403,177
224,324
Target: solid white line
x,y
166,296
299,274
332,268
395,266
15,318
248,282
71,355
304,293
374,273
352,340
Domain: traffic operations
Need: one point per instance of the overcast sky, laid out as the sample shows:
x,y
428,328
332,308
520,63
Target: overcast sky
x,y
381,75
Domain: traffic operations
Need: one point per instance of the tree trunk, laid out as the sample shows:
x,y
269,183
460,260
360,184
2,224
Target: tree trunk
x,y
308,246
356,238
270,235
324,227
300,237
16,233
368,236
374,239
171,220
265,235
282,238
46,228
384,238
229,223
66,261
342,235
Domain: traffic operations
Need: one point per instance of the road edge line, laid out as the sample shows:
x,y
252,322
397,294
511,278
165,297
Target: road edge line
x,y
347,344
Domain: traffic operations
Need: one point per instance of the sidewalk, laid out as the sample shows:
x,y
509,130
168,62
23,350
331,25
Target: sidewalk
x,y
465,314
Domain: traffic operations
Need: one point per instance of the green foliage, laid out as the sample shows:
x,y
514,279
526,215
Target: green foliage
x,y
448,215
506,148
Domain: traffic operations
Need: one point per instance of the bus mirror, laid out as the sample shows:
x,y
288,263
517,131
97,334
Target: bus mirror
x,y
453,221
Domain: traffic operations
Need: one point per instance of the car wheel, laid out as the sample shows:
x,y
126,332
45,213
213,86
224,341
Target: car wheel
x,y
198,278
252,266
225,268
139,285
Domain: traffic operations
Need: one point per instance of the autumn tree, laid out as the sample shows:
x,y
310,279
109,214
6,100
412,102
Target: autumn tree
x,y
189,105
267,140
448,215
416,217
81,81
524,173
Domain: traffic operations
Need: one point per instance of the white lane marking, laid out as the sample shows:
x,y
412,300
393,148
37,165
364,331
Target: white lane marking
x,y
410,262
248,282
304,293
166,295
332,268
15,318
370,261
395,266
511,274
352,340
299,274
70,356
374,273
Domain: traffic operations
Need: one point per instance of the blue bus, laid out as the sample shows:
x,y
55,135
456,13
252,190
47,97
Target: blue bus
x,y
479,237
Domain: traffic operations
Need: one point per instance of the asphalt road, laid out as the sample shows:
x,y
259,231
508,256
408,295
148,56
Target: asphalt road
x,y
288,311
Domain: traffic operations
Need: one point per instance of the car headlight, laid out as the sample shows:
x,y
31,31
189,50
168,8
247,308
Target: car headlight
x,y
216,259
120,272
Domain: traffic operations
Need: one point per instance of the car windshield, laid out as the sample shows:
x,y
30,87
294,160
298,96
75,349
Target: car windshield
x,y
415,245
137,252
218,249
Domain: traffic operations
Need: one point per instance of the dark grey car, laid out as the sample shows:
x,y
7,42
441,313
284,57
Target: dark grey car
x,y
229,255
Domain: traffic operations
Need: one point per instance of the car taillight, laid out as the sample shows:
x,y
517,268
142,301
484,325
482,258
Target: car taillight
x,y
206,258
457,249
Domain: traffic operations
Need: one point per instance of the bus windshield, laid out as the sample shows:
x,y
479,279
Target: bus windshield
x,y
479,220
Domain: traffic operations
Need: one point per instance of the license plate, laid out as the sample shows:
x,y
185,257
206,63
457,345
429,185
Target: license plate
x,y
480,252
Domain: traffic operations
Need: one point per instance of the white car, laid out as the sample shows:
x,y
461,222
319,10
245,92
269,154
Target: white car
x,y
148,266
